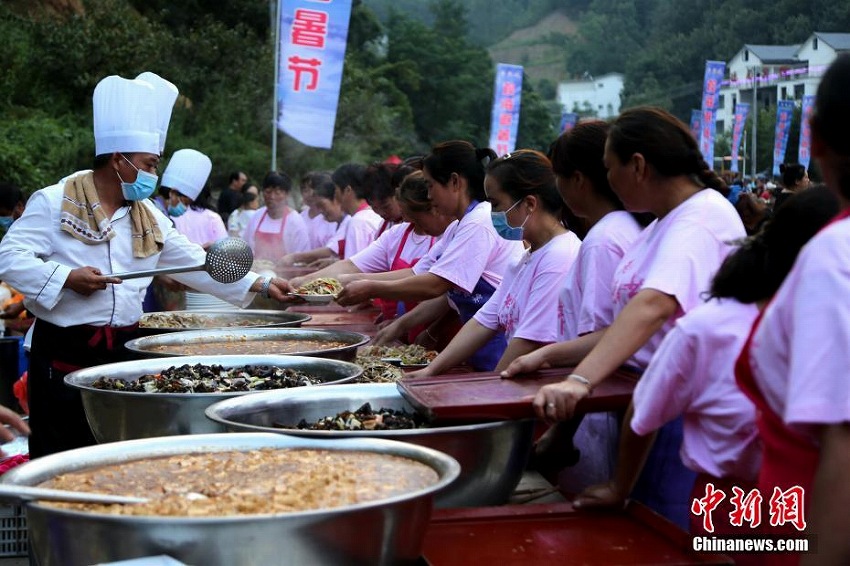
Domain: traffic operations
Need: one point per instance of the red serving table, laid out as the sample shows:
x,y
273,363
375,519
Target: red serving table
x,y
487,396
556,533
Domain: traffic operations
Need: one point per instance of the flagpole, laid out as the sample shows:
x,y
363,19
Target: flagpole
x,y
276,27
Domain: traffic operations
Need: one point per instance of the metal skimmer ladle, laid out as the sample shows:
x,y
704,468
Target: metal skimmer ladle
x,y
228,261
22,493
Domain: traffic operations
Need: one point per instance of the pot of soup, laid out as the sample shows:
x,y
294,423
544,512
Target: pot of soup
x,y
247,499
334,344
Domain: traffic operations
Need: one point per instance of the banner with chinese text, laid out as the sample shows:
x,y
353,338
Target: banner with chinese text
x,y
568,122
784,113
696,118
741,111
312,41
506,103
710,101
804,155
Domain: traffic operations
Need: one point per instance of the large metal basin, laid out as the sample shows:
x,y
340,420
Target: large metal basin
x,y
388,531
230,339
123,415
228,319
492,455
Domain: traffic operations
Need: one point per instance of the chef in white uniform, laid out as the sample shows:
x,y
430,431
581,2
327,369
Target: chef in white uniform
x,y
88,225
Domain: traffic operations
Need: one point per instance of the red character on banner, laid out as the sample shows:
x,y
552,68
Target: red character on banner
x,y
709,101
503,135
508,89
501,149
299,67
787,507
706,505
711,86
504,119
508,104
747,508
310,28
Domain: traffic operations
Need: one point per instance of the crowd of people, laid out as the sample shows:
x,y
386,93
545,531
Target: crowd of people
x,y
620,248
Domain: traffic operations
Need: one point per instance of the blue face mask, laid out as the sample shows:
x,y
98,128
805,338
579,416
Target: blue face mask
x,y
6,222
140,189
505,230
178,210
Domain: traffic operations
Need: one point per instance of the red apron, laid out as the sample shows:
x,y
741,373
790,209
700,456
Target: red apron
x,y
789,458
389,308
384,225
341,243
269,245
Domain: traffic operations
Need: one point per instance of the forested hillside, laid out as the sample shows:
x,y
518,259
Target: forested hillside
x,y
407,83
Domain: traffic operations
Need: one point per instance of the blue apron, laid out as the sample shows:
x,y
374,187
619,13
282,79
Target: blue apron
x,y
488,356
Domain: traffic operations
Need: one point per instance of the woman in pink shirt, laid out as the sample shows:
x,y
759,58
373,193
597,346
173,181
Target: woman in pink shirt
x,y
343,201
795,368
186,177
467,264
654,165
397,250
275,229
526,206
692,372
585,303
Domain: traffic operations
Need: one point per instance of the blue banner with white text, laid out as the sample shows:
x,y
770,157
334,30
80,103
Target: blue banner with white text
x,y
804,155
696,119
741,111
714,71
504,122
568,122
784,113
312,42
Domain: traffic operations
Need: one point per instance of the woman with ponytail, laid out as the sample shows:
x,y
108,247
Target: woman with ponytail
x,y
654,165
526,206
467,264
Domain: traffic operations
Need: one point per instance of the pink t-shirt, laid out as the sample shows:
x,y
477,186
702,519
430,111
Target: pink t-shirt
x,y
585,303
524,305
693,374
318,229
800,353
362,230
200,226
678,256
295,238
379,255
470,250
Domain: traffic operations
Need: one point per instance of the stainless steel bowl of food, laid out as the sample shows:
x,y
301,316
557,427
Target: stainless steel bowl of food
x,y
175,321
492,455
334,344
124,415
381,531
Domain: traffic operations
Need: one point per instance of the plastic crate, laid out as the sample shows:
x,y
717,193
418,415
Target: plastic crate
x,y
13,531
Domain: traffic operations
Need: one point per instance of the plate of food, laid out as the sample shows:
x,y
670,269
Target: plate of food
x,y
319,291
406,356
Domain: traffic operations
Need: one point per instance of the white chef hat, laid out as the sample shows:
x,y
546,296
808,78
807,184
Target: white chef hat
x,y
187,172
125,116
165,93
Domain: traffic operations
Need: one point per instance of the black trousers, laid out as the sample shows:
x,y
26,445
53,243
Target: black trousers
x,y
57,419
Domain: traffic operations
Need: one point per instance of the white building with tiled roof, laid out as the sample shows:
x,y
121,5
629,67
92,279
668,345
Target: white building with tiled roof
x,y
778,72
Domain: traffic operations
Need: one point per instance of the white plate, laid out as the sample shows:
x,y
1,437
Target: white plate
x,y
315,299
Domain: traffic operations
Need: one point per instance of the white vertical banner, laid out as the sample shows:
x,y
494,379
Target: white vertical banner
x,y
507,95
311,55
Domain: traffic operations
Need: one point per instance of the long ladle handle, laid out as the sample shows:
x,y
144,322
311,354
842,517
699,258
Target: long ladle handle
x,y
22,493
152,272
